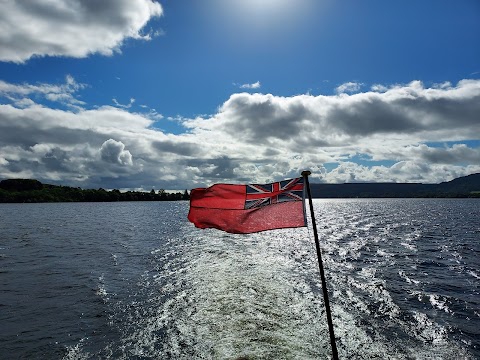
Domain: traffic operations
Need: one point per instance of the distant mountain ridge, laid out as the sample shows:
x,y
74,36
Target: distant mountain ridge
x,y
465,186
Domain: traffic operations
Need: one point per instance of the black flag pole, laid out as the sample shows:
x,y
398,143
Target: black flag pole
x,y
305,175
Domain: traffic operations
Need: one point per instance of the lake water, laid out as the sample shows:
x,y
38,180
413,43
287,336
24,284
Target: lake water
x,y
138,281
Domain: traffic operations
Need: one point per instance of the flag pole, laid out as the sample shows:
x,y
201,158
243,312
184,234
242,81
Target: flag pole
x,y
305,175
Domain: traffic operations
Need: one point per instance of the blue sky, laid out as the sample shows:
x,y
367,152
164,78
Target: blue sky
x,y
135,94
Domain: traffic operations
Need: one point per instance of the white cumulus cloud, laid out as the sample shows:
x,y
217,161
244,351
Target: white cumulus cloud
x,y
114,152
73,28
348,87
255,85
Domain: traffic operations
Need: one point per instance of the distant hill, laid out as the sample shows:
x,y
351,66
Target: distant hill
x,y
466,186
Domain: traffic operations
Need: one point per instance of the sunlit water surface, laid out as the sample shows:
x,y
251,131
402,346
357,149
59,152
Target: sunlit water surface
x,y
137,281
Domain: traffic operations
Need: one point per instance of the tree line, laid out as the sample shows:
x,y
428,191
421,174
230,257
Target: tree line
x,y
33,191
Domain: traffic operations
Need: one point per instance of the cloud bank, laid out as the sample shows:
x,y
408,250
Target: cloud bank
x,y
393,133
71,28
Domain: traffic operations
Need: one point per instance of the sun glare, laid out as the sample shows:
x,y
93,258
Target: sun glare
x,y
263,7
261,19
267,11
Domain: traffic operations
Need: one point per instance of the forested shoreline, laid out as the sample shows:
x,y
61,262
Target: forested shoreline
x,y
33,191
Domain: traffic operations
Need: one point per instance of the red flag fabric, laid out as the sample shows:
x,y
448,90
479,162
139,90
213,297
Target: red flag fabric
x,y
249,208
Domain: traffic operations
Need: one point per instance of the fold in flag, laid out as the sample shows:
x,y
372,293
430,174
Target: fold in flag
x,y
250,208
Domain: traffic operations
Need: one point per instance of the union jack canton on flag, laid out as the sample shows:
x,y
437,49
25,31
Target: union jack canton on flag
x,y
267,194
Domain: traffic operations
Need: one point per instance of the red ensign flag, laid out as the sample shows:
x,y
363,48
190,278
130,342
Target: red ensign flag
x,y
249,208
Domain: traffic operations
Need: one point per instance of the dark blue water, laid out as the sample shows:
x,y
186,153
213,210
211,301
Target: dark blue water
x,y
137,281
